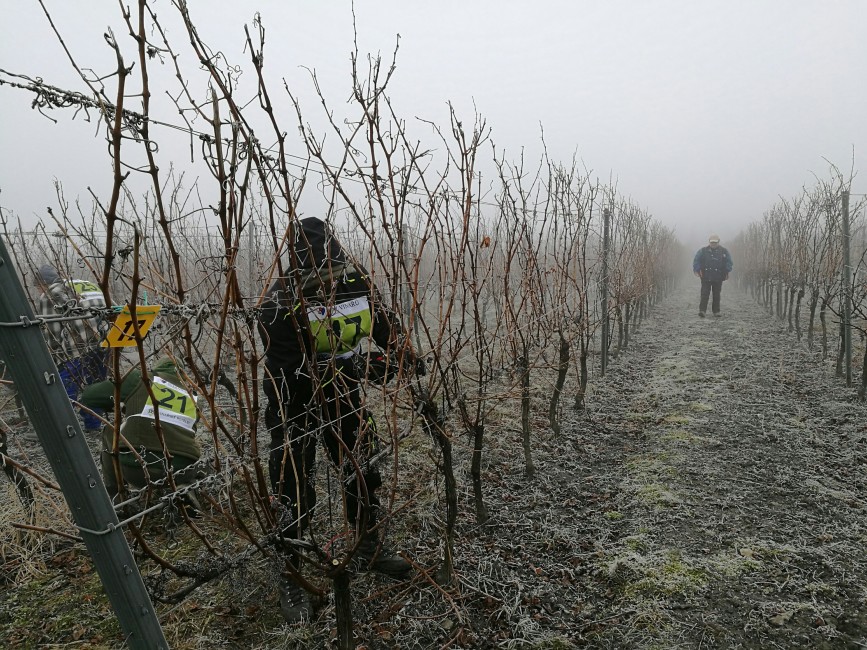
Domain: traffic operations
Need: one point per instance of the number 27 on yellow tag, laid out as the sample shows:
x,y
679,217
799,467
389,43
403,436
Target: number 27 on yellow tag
x,y
122,332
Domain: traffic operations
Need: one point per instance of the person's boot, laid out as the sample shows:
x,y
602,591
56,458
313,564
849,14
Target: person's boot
x,y
294,601
380,558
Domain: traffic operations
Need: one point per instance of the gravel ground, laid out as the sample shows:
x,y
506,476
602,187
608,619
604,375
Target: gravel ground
x,y
712,496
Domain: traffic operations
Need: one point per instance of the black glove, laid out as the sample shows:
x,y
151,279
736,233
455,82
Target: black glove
x,y
378,369
381,368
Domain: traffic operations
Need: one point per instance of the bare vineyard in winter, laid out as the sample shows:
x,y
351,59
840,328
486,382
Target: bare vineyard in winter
x,y
806,262
513,289
497,287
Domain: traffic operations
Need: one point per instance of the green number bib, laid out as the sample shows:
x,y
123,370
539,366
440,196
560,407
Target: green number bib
x,y
341,327
87,290
175,404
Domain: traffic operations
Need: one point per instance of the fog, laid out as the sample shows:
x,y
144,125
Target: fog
x,y
704,113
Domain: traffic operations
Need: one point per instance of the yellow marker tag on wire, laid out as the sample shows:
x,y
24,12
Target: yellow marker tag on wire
x,y
122,331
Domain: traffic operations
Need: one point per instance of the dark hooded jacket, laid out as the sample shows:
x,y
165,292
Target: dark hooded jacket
x,y
323,305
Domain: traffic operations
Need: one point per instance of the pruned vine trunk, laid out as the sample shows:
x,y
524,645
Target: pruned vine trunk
x,y
343,608
801,293
524,370
562,370
476,473
822,312
814,302
11,470
432,422
582,379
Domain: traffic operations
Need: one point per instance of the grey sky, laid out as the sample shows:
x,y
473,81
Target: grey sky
x,y
706,112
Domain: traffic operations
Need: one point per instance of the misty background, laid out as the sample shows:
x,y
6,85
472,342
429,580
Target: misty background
x,y
705,114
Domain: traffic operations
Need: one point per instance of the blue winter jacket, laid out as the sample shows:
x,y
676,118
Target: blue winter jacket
x,y
713,263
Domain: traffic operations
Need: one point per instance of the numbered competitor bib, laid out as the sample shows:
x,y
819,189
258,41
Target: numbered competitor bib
x,y
176,405
340,328
88,291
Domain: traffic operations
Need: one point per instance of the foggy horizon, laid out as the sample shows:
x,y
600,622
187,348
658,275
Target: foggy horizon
x,y
703,115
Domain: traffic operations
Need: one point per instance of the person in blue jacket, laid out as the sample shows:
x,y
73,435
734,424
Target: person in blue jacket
x,y
712,263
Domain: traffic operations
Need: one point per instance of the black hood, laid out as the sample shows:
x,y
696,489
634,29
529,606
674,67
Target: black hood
x,y
316,246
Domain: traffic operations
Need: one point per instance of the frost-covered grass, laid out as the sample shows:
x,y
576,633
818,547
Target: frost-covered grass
x,y
712,495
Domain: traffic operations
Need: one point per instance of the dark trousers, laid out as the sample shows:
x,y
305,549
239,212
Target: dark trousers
x,y
298,417
708,286
89,368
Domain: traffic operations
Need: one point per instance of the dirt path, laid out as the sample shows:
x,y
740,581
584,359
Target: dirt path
x,y
712,497
739,513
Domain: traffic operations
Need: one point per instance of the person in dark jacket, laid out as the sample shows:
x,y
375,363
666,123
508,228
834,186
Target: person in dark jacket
x,y
712,264
141,456
312,324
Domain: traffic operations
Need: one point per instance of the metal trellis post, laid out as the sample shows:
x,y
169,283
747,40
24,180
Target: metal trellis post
x,y
65,447
606,243
846,295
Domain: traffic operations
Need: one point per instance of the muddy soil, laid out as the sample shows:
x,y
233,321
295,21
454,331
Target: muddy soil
x,y
712,496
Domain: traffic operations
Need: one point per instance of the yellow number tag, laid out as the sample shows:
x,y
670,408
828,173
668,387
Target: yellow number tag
x,y
122,332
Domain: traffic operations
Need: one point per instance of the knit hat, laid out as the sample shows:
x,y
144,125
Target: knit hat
x,y
713,239
48,274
